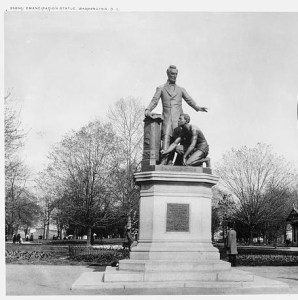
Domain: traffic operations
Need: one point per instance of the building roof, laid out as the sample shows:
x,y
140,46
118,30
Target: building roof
x,y
293,216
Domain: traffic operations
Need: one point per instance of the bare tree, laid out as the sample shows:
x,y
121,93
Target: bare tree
x,y
48,195
223,210
280,201
28,211
21,206
127,117
13,133
81,169
251,175
18,199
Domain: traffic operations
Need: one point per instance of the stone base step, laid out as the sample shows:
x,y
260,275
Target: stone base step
x,y
95,281
115,275
173,250
169,265
175,255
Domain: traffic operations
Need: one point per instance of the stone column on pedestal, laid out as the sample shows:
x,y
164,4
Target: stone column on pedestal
x,y
152,139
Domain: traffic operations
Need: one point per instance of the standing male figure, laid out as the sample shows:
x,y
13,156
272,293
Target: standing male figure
x,y
171,97
193,144
232,246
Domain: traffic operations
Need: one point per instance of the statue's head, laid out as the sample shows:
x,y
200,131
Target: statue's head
x,y
172,73
183,119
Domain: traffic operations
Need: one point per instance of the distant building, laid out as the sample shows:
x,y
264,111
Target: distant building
x,y
292,219
39,231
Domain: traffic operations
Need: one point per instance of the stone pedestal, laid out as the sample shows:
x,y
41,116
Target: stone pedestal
x,y
175,215
174,248
175,226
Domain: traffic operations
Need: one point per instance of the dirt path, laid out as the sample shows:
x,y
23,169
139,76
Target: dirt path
x,y
288,275
43,279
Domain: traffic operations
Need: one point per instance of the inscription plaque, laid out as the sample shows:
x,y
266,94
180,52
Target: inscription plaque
x,y
177,217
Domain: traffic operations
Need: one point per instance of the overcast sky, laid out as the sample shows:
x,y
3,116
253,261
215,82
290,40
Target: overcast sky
x,y
67,68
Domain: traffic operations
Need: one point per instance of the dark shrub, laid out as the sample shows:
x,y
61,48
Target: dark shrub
x,y
19,255
99,256
267,260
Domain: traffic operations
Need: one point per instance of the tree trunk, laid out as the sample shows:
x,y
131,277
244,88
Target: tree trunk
x,y
129,218
16,229
61,231
48,214
75,234
47,231
250,236
26,230
10,231
285,235
44,229
88,236
92,236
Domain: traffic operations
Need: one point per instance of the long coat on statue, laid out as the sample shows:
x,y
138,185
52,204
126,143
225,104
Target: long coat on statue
x,y
232,242
171,97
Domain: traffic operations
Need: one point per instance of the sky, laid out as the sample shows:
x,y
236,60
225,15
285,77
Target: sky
x,y
67,68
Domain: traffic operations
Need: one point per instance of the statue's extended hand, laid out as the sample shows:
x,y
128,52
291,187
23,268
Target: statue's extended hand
x,y
162,152
203,109
148,113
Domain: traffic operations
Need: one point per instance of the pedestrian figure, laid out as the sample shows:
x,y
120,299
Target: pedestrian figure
x,y
232,246
31,237
129,239
18,238
14,238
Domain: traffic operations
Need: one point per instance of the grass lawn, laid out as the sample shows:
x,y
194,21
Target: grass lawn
x,y
49,253
59,254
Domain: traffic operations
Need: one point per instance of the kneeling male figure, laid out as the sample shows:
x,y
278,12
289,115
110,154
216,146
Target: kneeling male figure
x,y
189,143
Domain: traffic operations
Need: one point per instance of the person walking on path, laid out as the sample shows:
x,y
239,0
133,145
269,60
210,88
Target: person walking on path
x,y
232,246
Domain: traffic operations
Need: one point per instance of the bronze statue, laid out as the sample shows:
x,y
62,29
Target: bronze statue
x,y
189,143
171,96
